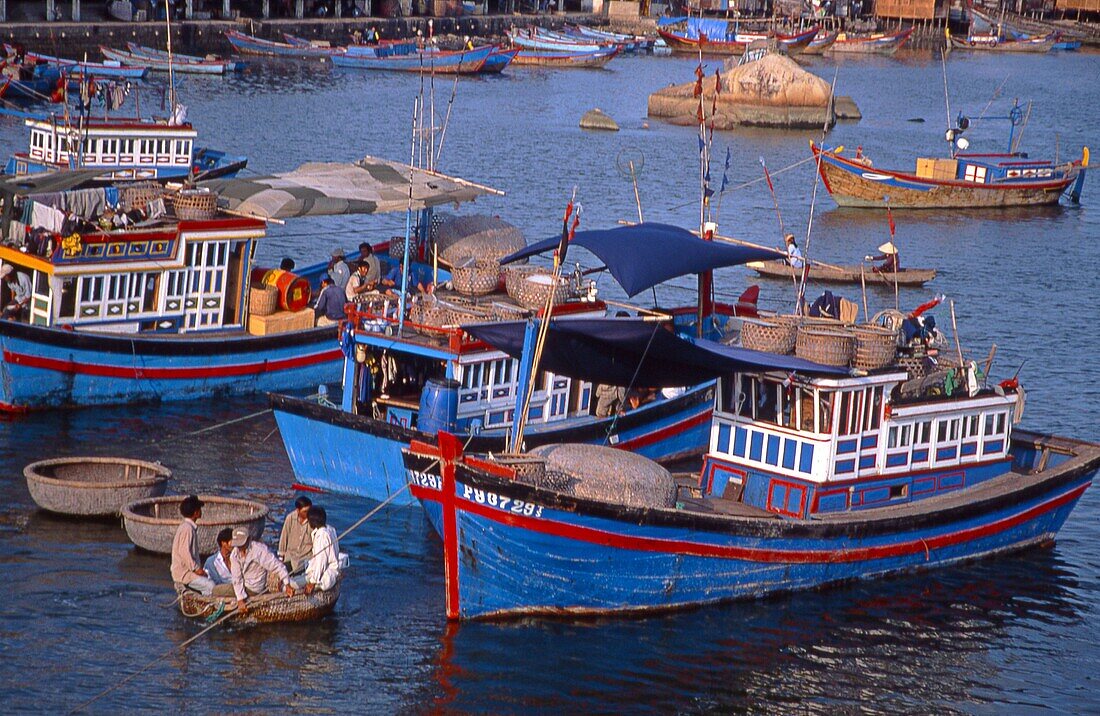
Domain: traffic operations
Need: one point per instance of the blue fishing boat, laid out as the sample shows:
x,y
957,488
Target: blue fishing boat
x,y
406,57
159,306
498,60
815,475
403,380
82,67
249,45
532,39
36,84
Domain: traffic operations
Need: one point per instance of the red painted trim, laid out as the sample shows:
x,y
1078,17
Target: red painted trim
x,y
299,487
110,371
450,449
674,429
666,546
791,487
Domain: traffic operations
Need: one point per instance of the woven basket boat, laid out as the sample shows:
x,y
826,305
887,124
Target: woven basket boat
x,y
476,277
875,347
265,608
772,335
828,346
93,486
151,524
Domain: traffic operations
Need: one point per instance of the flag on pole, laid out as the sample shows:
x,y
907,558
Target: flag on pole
x,y
890,219
563,245
726,172
767,176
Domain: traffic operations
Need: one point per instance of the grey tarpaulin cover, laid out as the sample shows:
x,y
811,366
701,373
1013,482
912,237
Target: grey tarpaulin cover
x,y
369,186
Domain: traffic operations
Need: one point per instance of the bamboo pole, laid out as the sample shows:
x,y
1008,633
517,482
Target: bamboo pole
x,y
955,330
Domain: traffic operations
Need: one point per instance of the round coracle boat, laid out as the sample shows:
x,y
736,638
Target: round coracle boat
x,y
262,609
93,486
151,524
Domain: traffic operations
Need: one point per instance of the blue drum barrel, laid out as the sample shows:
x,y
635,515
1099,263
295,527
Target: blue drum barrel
x,y
438,406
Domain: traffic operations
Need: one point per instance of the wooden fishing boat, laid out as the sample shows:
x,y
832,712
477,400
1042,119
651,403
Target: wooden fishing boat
x,y
877,43
532,39
966,181
37,86
250,45
155,54
268,608
844,274
719,37
814,477
408,59
630,43
93,486
996,42
151,524
821,43
544,58
499,59
78,67
162,65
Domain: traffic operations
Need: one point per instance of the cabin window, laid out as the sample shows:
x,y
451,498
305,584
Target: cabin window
x,y
994,423
187,149
824,411
471,376
899,436
851,412
922,432
947,430
143,291
874,408
67,303
971,426
975,174
127,146
162,146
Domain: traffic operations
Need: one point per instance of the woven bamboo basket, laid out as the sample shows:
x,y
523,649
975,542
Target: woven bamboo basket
x,y
93,486
875,347
151,524
530,469
772,335
515,274
195,204
431,314
138,195
506,312
476,278
534,290
264,608
397,247
828,346
263,300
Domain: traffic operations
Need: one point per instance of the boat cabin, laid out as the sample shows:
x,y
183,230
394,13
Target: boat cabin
x,y
802,446
989,169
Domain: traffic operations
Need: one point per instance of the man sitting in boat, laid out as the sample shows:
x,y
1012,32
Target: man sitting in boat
x,y
338,268
323,568
794,254
420,276
888,257
186,569
217,565
18,309
255,569
295,543
366,255
329,309
360,286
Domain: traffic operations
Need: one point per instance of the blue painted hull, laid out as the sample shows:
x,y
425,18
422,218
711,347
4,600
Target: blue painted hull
x,y
50,368
511,549
334,451
465,62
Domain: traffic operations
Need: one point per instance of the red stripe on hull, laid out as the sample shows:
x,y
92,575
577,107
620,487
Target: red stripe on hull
x,y
675,429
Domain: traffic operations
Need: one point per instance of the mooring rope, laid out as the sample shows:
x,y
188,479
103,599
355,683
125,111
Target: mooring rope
x,y
212,427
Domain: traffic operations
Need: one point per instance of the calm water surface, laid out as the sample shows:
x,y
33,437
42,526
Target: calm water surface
x,y
82,609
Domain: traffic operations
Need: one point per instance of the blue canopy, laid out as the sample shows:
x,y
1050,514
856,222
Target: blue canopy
x,y
644,255
632,351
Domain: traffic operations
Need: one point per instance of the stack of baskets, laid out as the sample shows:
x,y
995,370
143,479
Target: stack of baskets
x,y
195,204
138,195
476,277
514,274
533,291
432,315
875,347
772,335
262,300
828,346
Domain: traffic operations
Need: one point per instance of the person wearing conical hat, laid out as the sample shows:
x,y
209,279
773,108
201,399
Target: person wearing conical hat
x,y
888,257
794,254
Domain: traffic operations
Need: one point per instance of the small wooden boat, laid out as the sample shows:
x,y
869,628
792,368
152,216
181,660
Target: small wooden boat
x,y
533,40
93,486
821,43
151,524
460,62
843,274
155,54
731,42
629,42
966,181
498,59
544,58
162,65
250,45
264,608
877,43
996,42
93,69
42,81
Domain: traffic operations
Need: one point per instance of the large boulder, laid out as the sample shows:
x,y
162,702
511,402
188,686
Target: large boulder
x,y
598,119
607,474
771,92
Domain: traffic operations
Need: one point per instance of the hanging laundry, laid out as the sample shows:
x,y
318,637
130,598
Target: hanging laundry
x,y
46,217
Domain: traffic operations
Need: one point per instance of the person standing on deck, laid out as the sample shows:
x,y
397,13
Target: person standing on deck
x,y
794,254
254,567
889,258
295,544
338,269
329,309
217,565
186,569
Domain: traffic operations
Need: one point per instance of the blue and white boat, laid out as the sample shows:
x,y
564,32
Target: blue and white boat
x,y
395,376
815,475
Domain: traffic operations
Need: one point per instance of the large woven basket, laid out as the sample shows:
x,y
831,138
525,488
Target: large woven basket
x,y
828,346
93,486
875,347
151,524
514,275
264,608
195,204
263,300
530,469
476,277
397,247
138,195
534,290
772,335
431,314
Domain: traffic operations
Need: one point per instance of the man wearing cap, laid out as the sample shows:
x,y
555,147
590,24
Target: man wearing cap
x,y
20,286
888,257
338,269
295,544
794,254
186,568
253,565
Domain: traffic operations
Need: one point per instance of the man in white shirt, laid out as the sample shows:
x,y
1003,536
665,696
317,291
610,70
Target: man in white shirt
x,y
20,286
338,269
217,565
794,254
323,568
252,564
186,569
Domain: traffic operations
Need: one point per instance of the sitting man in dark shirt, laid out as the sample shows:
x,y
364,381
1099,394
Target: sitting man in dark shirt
x,y
329,309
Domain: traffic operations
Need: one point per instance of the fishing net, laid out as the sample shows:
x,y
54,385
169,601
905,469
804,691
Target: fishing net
x,y
606,474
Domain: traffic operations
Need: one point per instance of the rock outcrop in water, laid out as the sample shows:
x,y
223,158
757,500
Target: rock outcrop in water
x,y
598,119
770,92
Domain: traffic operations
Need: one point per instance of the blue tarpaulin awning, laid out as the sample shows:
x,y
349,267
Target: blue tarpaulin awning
x,y
644,255
632,351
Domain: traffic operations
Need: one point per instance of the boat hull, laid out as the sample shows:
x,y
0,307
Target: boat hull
x,y
461,63
1033,45
327,446
843,274
249,45
855,185
874,45
50,368
589,60
511,549
192,68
